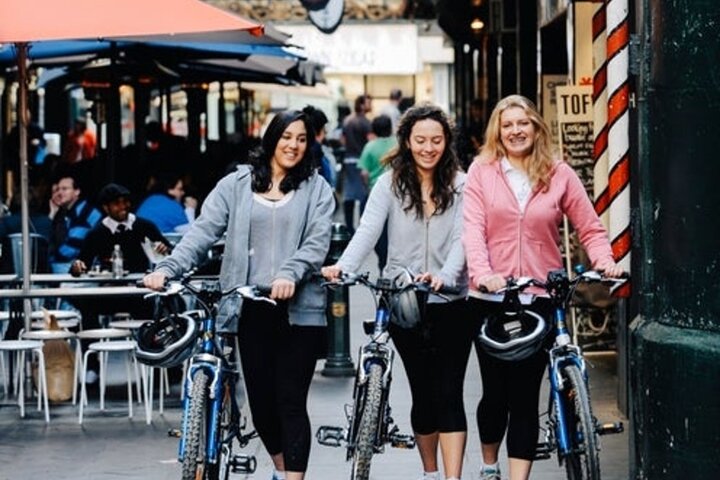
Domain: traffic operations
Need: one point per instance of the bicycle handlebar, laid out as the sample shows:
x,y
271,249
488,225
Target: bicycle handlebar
x,y
250,292
386,285
558,285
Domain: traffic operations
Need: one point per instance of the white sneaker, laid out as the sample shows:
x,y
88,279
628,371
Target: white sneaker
x,y
425,476
490,474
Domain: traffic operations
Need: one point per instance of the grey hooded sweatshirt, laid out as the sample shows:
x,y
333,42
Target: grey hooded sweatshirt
x,y
420,244
227,209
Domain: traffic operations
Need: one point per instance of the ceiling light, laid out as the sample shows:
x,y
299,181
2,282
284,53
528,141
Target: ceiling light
x,y
476,25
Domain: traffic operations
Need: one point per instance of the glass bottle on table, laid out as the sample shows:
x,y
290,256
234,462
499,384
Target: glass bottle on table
x,y
118,269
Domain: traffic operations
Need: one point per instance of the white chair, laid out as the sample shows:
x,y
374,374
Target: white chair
x,y
103,335
101,349
20,348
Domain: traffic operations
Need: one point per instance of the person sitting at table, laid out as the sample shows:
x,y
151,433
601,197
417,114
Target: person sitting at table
x,y
71,223
118,227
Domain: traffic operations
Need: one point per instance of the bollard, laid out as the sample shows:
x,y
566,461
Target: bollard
x,y
338,362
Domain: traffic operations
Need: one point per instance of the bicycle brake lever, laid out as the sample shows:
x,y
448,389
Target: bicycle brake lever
x,y
171,289
250,293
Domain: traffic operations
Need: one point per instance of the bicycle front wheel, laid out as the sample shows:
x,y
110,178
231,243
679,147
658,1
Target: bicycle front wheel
x,y
368,425
193,463
582,462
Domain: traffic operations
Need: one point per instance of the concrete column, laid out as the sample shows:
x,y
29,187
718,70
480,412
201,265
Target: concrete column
x,y
675,340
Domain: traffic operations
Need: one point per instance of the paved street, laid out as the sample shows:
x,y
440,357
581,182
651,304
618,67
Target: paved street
x,y
109,445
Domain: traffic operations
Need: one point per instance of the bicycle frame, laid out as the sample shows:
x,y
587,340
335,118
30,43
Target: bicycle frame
x,y
376,351
560,356
220,374
211,422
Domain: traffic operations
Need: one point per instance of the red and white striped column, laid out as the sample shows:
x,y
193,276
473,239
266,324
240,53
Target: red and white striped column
x,y
618,137
600,130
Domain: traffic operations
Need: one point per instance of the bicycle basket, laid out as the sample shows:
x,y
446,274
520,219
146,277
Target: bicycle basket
x,y
513,335
166,342
407,306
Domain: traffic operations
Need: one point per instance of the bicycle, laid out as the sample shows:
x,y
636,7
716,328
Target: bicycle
x,y
571,430
370,423
211,419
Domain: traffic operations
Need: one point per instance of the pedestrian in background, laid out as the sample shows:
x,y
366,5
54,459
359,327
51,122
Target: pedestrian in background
x,y
516,194
355,134
392,108
372,166
420,198
277,214
323,156
167,206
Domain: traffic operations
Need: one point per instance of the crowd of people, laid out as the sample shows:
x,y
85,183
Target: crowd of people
x,y
419,210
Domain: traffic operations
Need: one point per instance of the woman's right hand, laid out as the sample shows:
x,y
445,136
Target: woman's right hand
x,y
155,280
492,283
331,272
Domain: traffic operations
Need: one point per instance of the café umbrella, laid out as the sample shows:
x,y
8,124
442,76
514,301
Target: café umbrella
x,y
24,22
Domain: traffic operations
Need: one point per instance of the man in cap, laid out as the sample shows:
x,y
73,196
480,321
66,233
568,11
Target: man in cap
x,y
119,227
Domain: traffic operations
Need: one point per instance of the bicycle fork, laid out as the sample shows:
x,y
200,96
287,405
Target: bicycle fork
x,y
334,436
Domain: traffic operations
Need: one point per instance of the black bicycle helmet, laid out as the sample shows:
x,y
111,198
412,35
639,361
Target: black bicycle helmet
x,y
166,342
513,335
408,306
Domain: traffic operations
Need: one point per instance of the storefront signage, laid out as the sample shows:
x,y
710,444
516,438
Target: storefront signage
x,y
360,49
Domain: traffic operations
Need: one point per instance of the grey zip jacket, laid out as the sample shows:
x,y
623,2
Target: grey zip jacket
x,y
227,210
421,244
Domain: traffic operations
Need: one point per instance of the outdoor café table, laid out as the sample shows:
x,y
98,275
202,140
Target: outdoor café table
x,y
120,288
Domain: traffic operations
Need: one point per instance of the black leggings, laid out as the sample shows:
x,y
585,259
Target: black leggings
x,y
511,392
278,362
435,357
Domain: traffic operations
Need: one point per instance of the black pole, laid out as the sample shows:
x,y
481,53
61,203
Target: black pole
x,y
338,362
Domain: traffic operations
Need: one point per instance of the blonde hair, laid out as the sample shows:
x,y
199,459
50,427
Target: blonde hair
x,y
539,163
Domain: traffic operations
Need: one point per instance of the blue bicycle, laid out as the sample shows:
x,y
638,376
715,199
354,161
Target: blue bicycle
x,y
211,420
370,423
571,429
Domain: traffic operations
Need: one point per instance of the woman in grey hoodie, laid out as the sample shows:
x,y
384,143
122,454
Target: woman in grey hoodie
x,y
421,200
276,214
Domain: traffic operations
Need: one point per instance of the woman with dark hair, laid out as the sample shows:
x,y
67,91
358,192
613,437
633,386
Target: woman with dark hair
x,y
167,206
276,213
420,198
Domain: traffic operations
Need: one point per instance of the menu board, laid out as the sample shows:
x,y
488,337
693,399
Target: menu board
x,y
575,120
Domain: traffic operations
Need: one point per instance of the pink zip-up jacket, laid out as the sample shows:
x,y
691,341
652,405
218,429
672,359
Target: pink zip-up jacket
x,y
501,239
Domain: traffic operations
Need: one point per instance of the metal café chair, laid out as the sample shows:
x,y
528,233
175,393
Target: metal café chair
x,y
20,348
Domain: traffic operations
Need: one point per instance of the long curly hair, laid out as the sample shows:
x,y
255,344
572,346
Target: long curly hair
x,y
540,162
406,183
261,157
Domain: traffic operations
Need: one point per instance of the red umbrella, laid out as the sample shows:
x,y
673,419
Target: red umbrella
x,y
26,21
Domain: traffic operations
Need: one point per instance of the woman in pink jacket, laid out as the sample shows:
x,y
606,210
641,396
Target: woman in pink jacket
x,y
516,194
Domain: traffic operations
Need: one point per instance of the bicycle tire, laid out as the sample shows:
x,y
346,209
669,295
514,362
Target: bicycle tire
x,y
193,462
583,461
368,425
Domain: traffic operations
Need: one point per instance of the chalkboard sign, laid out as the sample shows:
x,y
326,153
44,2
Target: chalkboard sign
x,y
575,118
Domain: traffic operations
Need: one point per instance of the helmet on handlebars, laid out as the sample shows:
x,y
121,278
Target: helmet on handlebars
x,y
166,342
513,335
407,306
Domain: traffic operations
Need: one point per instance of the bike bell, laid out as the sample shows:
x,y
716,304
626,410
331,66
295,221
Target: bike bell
x,y
408,305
